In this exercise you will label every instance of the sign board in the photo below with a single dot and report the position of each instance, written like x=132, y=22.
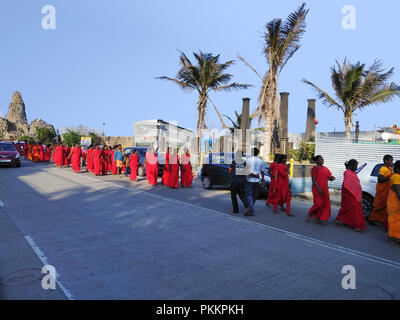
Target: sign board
x=86, y=141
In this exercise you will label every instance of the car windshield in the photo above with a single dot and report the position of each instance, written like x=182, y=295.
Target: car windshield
x=375, y=172
x=7, y=147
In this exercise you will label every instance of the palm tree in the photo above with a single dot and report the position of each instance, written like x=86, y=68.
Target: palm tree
x=206, y=76
x=236, y=125
x=281, y=41
x=356, y=87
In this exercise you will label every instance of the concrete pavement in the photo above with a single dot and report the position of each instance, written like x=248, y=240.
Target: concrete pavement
x=113, y=239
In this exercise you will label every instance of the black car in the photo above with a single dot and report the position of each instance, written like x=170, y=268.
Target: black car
x=215, y=171
x=9, y=155
x=142, y=155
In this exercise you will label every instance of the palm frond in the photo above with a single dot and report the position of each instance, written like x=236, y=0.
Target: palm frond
x=325, y=97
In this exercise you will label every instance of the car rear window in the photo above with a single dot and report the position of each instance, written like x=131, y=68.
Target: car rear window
x=375, y=171
x=7, y=147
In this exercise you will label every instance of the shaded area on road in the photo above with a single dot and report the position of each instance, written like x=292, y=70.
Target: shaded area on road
x=110, y=243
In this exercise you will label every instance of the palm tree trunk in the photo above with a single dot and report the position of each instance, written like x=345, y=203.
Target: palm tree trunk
x=268, y=136
x=348, y=122
x=201, y=107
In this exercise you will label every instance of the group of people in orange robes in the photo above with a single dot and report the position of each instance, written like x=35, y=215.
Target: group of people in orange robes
x=386, y=204
x=175, y=167
x=37, y=152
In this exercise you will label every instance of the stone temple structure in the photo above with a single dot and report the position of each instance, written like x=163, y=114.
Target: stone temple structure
x=15, y=124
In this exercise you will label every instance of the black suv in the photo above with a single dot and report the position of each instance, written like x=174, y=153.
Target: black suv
x=215, y=171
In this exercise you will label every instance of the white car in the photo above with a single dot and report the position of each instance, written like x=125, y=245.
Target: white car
x=368, y=175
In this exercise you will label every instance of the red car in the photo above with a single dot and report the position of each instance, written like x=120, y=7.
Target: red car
x=9, y=156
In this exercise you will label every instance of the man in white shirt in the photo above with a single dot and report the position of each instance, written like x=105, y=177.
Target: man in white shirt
x=256, y=167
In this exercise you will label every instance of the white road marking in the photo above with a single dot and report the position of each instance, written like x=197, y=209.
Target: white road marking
x=1, y=204
x=328, y=245
x=45, y=262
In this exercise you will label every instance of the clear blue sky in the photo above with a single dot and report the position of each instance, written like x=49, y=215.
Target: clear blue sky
x=100, y=63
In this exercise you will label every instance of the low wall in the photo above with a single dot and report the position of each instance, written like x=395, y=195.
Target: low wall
x=112, y=141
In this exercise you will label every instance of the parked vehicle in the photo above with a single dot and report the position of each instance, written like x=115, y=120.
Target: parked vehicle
x=215, y=171
x=368, y=175
x=142, y=154
x=9, y=155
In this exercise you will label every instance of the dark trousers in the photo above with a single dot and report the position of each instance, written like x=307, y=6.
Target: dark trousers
x=251, y=190
x=237, y=189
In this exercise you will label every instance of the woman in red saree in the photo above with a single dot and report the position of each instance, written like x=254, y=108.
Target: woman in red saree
x=25, y=150
x=165, y=180
x=134, y=164
x=113, y=163
x=151, y=166
x=89, y=158
x=273, y=172
x=282, y=187
x=97, y=159
x=47, y=153
x=76, y=154
x=174, y=174
x=320, y=175
x=350, y=212
x=104, y=165
x=67, y=151
x=41, y=152
x=186, y=170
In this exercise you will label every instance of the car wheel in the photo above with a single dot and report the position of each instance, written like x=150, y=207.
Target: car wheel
x=367, y=204
x=207, y=183
x=141, y=172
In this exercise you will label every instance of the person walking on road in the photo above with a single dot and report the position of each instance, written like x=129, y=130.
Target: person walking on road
x=186, y=170
x=351, y=213
x=393, y=206
x=134, y=164
x=119, y=160
x=174, y=174
x=151, y=166
x=256, y=169
x=75, y=155
x=165, y=179
x=282, y=186
x=379, y=213
x=273, y=172
x=320, y=175
x=237, y=181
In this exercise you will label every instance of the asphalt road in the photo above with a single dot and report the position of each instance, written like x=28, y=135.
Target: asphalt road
x=110, y=238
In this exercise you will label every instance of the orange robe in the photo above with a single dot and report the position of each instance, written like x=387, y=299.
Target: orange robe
x=36, y=153
x=322, y=203
x=393, y=209
x=351, y=213
x=379, y=212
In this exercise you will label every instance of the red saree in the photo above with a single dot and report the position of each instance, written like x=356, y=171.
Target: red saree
x=322, y=203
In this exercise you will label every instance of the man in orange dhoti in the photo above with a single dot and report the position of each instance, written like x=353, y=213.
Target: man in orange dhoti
x=393, y=206
x=379, y=213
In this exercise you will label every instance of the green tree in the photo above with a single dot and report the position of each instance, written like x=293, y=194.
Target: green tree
x=281, y=42
x=206, y=76
x=25, y=138
x=45, y=135
x=357, y=87
x=95, y=138
x=71, y=138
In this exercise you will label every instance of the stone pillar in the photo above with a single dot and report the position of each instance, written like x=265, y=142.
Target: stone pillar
x=283, y=128
x=245, y=123
x=357, y=130
x=310, y=123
